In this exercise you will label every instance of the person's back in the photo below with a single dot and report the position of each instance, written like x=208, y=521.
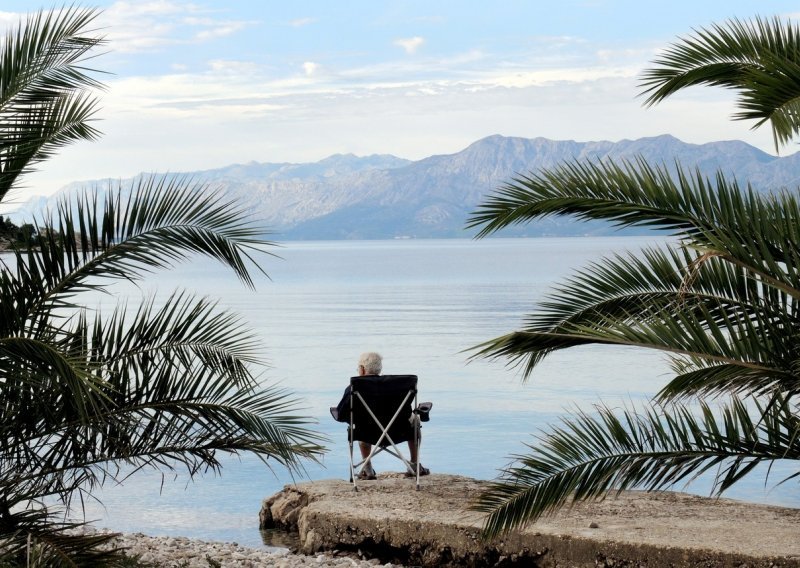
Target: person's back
x=384, y=395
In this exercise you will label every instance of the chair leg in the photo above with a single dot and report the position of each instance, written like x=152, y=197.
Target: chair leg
x=417, y=437
x=352, y=468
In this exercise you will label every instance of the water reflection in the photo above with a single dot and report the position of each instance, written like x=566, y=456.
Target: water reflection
x=279, y=540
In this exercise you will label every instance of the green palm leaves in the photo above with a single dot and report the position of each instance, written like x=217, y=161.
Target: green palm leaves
x=722, y=305
x=87, y=395
x=759, y=59
x=720, y=301
x=45, y=99
x=588, y=456
x=737, y=265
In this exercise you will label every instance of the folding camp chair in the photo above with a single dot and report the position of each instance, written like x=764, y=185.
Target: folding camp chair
x=382, y=415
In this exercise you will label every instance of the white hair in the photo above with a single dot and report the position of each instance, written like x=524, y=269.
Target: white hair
x=372, y=363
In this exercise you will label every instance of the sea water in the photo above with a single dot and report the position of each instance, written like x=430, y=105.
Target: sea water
x=424, y=305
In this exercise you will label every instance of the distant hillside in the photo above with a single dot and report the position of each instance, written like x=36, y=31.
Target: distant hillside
x=380, y=196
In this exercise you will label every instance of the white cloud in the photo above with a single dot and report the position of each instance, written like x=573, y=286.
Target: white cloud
x=153, y=8
x=637, y=55
x=545, y=77
x=220, y=29
x=146, y=26
x=233, y=67
x=410, y=45
x=303, y=108
x=300, y=22
x=185, y=122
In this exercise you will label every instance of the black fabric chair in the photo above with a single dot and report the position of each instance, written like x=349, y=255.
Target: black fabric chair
x=382, y=411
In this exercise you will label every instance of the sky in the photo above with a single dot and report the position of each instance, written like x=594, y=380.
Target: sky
x=204, y=84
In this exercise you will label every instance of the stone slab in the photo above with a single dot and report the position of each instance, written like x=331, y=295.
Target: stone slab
x=389, y=520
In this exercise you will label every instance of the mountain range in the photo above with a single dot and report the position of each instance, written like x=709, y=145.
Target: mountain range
x=383, y=196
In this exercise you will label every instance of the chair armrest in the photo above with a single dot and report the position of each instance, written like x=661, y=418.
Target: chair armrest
x=423, y=410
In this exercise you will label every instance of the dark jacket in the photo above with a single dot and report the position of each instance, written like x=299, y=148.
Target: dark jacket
x=343, y=408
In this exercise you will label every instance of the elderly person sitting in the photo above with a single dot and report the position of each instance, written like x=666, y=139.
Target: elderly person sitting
x=371, y=364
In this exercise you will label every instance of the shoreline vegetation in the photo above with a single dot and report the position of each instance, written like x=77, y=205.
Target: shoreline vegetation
x=13, y=235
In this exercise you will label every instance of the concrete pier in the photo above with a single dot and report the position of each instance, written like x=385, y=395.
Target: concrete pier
x=387, y=519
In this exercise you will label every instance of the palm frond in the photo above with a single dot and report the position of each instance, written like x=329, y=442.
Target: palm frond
x=759, y=59
x=709, y=315
x=588, y=456
x=184, y=331
x=723, y=305
x=87, y=397
x=165, y=432
x=159, y=224
x=712, y=216
x=44, y=98
x=31, y=366
x=35, y=537
x=178, y=390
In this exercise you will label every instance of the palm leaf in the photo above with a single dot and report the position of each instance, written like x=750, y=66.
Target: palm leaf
x=86, y=396
x=158, y=225
x=723, y=305
x=36, y=538
x=758, y=59
x=178, y=389
x=715, y=217
x=709, y=317
x=588, y=456
x=43, y=100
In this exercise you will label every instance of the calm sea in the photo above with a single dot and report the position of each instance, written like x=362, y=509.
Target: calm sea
x=422, y=304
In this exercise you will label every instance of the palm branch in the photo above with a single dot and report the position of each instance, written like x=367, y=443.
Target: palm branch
x=42, y=540
x=169, y=383
x=44, y=98
x=717, y=216
x=588, y=456
x=720, y=300
x=86, y=395
x=759, y=59
x=722, y=336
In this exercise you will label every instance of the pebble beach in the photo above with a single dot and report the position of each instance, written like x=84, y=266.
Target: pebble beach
x=181, y=552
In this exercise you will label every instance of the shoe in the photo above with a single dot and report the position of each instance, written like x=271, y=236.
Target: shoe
x=413, y=471
x=367, y=473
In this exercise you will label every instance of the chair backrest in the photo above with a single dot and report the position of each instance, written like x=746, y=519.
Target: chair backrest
x=384, y=395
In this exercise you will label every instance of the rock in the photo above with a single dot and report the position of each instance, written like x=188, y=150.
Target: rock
x=282, y=510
